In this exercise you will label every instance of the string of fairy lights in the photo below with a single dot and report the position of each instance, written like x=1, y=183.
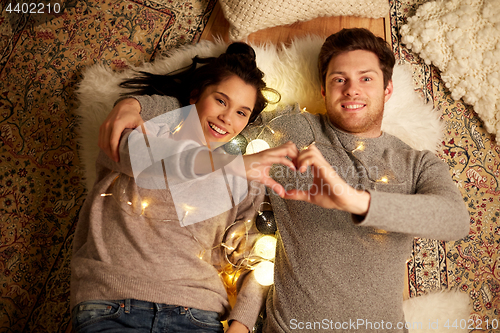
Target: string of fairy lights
x=260, y=257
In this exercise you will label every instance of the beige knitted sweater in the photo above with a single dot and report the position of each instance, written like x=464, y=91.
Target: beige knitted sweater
x=119, y=253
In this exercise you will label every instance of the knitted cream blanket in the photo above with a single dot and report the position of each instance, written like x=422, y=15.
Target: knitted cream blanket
x=462, y=39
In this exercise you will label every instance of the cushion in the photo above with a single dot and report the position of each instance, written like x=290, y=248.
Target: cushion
x=247, y=16
x=462, y=39
x=291, y=70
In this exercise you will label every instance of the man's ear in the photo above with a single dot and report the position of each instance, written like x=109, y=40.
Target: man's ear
x=388, y=91
x=323, y=92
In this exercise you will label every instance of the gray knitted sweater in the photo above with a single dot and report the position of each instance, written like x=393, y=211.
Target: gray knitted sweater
x=123, y=250
x=335, y=271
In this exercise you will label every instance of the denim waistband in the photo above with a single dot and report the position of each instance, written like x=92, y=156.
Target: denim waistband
x=129, y=303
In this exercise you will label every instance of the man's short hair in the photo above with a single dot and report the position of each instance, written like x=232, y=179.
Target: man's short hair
x=356, y=39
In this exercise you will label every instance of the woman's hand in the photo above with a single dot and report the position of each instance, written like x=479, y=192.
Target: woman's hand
x=258, y=165
x=237, y=327
x=328, y=190
x=125, y=114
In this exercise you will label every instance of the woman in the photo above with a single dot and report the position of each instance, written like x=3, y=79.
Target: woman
x=136, y=265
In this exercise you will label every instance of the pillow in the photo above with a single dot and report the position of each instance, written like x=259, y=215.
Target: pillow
x=247, y=16
x=291, y=70
x=462, y=39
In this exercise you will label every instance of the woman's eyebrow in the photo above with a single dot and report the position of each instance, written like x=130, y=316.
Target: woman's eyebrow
x=229, y=99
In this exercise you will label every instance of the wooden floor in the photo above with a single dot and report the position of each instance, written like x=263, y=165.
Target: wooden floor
x=218, y=27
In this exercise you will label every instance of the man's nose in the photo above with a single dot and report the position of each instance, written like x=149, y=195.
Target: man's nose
x=351, y=88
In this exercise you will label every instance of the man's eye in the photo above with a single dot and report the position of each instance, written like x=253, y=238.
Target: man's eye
x=338, y=80
x=367, y=79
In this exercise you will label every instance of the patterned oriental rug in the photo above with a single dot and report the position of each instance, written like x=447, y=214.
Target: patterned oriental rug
x=41, y=187
x=472, y=264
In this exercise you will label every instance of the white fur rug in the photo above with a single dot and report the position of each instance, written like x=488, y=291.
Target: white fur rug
x=462, y=39
x=293, y=73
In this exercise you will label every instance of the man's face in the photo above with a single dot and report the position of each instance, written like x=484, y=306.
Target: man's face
x=354, y=93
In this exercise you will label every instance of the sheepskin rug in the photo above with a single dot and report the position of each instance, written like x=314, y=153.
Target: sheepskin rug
x=462, y=39
x=293, y=72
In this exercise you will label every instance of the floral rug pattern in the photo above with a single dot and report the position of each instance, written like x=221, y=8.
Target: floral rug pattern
x=41, y=188
x=471, y=264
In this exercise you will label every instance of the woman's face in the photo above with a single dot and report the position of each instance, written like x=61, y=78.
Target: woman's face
x=225, y=108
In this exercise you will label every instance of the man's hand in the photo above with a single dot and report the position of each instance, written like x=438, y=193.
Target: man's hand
x=329, y=190
x=125, y=114
x=258, y=165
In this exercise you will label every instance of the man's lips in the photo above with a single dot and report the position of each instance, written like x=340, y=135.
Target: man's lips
x=353, y=106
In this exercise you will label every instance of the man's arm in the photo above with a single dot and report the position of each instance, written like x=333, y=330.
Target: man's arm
x=435, y=211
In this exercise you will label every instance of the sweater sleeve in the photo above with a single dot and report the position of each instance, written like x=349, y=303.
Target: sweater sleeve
x=436, y=210
x=153, y=105
x=251, y=295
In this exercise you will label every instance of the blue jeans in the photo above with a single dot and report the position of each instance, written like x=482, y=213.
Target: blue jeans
x=139, y=316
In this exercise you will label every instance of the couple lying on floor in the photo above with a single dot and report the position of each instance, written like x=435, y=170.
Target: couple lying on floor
x=148, y=245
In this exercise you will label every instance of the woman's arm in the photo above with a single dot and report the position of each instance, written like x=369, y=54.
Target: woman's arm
x=131, y=113
x=125, y=114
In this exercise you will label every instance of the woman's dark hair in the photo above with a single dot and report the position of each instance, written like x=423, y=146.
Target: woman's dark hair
x=356, y=39
x=191, y=81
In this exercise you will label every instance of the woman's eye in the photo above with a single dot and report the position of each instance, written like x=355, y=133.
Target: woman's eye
x=221, y=102
x=242, y=113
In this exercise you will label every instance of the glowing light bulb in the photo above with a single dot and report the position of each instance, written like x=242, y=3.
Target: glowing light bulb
x=272, y=131
x=384, y=179
x=264, y=273
x=265, y=247
x=256, y=146
x=129, y=203
x=230, y=248
x=144, y=204
x=106, y=194
x=360, y=147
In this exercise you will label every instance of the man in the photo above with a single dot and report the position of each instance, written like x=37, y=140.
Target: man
x=358, y=199
x=342, y=247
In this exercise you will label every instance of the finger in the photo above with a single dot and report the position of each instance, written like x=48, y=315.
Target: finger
x=113, y=142
x=311, y=157
x=104, y=138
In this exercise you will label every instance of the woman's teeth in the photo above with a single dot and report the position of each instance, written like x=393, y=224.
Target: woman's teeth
x=217, y=129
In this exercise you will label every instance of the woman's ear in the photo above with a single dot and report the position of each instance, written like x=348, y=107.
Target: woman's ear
x=193, y=97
